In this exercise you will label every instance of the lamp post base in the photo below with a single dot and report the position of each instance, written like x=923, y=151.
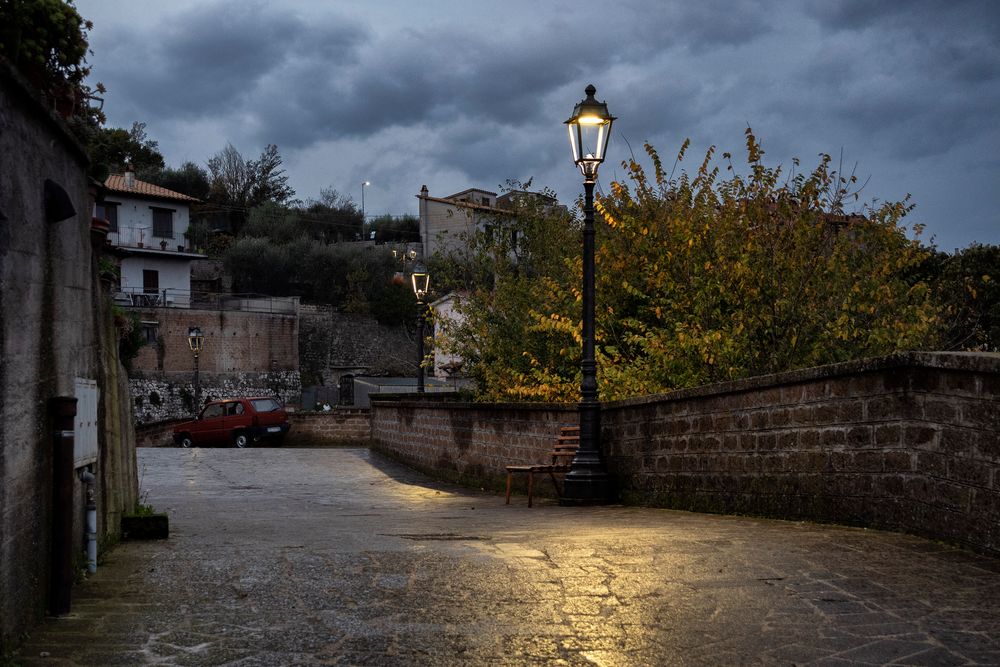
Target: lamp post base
x=587, y=488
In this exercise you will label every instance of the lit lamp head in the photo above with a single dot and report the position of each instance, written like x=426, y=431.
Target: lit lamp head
x=196, y=340
x=589, y=131
x=421, y=282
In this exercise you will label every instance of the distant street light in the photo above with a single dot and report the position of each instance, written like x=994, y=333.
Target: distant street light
x=587, y=482
x=196, y=341
x=364, y=184
x=421, y=284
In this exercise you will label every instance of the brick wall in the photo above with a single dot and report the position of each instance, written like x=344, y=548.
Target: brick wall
x=469, y=442
x=235, y=341
x=339, y=426
x=909, y=442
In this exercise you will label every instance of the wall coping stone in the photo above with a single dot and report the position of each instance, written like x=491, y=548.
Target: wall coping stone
x=450, y=401
x=980, y=362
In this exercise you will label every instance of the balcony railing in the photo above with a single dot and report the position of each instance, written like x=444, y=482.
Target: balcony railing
x=137, y=297
x=143, y=237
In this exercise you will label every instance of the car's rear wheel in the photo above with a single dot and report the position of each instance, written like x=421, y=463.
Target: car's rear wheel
x=186, y=441
x=241, y=440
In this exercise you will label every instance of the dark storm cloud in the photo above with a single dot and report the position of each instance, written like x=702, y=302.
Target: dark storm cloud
x=211, y=60
x=418, y=77
x=469, y=93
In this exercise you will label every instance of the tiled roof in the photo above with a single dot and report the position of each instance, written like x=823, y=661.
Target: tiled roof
x=116, y=183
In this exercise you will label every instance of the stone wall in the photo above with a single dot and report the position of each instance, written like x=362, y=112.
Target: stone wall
x=470, y=442
x=56, y=327
x=157, y=434
x=172, y=397
x=340, y=426
x=909, y=442
x=332, y=344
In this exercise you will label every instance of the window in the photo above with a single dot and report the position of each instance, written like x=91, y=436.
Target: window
x=149, y=332
x=108, y=211
x=233, y=409
x=213, y=410
x=486, y=201
x=265, y=404
x=163, y=223
x=150, y=281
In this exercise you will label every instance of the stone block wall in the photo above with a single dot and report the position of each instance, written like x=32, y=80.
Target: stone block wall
x=909, y=442
x=158, y=398
x=469, y=442
x=339, y=426
x=333, y=344
x=156, y=434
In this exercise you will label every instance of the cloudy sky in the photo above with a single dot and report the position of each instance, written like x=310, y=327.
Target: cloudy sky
x=458, y=94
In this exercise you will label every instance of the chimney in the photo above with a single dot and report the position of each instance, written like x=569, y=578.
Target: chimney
x=129, y=176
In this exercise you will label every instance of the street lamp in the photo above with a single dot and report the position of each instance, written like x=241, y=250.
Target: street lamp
x=364, y=184
x=196, y=341
x=587, y=482
x=421, y=284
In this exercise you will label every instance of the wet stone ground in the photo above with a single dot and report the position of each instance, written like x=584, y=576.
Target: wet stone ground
x=330, y=557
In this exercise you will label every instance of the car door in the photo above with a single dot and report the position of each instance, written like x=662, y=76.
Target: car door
x=210, y=429
x=236, y=418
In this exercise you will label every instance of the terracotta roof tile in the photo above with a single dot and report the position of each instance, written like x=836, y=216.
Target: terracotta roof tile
x=116, y=183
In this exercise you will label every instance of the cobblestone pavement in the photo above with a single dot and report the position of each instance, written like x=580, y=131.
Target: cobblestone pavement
x=328, y=557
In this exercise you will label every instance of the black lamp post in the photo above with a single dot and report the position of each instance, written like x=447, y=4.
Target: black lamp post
x=421, y=283
x=587, y=482
x=196, y=341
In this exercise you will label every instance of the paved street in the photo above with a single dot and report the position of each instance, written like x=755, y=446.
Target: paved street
x=336, y=556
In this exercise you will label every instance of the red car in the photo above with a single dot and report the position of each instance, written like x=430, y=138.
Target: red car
x=239, y=422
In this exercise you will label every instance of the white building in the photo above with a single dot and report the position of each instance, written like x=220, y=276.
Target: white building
x=447, y=223
x=147, y=225
x=447, y=364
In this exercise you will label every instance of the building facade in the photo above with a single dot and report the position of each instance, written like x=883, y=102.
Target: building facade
x=148, y=226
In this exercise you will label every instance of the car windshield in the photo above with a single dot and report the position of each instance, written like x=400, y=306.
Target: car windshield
x=265, y=405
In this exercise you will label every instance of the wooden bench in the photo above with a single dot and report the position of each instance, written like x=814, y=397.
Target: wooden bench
x=562, y=456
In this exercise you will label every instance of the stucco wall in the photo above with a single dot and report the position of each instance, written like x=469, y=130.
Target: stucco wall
x=55, y=326
x=175, y=275
x=135, y=221
x=909, y=442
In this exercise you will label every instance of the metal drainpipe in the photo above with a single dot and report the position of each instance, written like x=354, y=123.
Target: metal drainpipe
x=90, y=480
x=62, y=410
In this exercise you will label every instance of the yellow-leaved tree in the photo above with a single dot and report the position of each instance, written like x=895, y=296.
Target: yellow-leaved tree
x=699, y=280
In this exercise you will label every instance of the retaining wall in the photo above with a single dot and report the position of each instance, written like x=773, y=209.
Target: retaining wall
x=58, y=339
x=909, y=442
x=340, y=426
x=469, y=442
